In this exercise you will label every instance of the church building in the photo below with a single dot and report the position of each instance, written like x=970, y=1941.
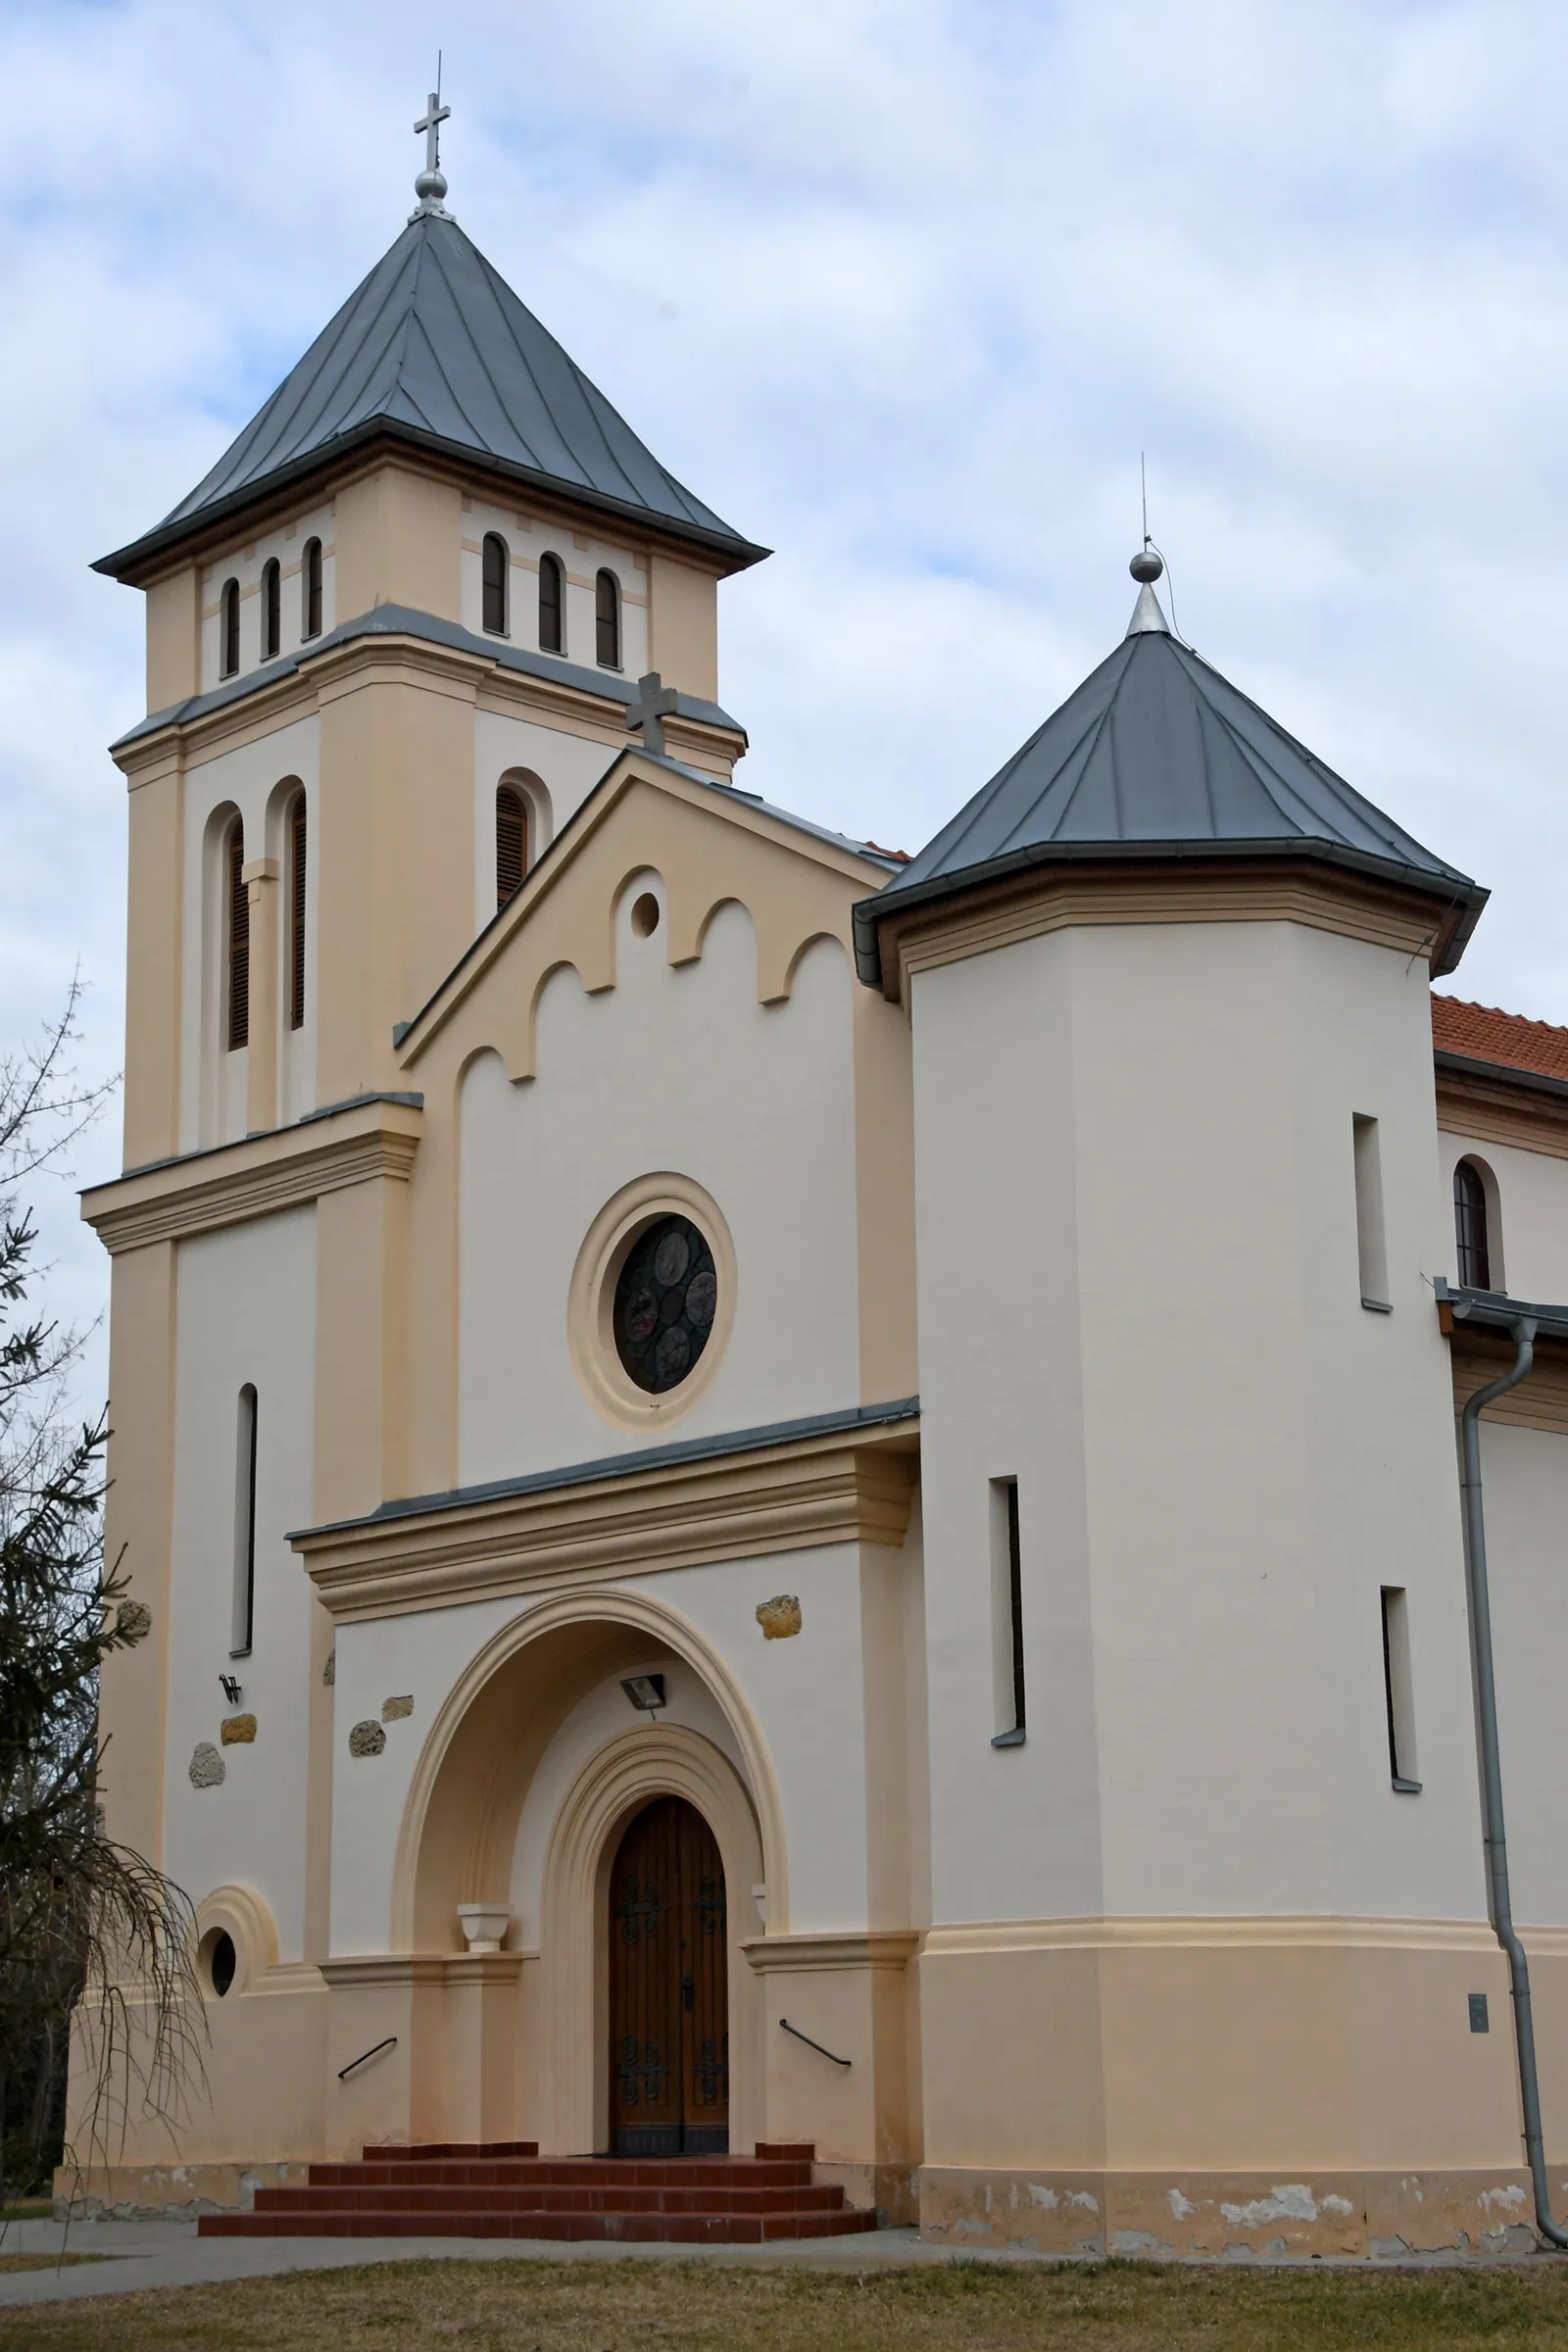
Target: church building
x=812, y=1558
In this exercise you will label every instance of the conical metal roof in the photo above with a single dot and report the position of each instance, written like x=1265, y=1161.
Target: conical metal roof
x=1157, y=756
x=434, y=347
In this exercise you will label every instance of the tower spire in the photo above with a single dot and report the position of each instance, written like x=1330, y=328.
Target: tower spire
x=430, y=187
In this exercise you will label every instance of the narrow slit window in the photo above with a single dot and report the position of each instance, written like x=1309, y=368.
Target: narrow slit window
x=311, y=589
x=244, y=1526
x=296, y=912
x=1470, y=1233
x=272, y=609
x=229, y=629
x=512, y=841
x=1007, y=1613
x=1396, y=1693
x=607, y=619
x=238, y=926
x=495, y=562
x=1371, y=1248
x=551, y=606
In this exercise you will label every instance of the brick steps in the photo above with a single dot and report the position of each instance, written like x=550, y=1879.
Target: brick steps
x=506, y=2191
x=471, y=2197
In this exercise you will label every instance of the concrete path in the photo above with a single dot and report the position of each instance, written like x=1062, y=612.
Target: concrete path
x=168, y=2253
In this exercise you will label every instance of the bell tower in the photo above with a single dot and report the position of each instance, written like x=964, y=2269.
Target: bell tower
x=436, y=561
x=395, y=636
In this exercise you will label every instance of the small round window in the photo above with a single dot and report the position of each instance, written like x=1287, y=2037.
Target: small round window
x=221, y=1962
x=665, y=1303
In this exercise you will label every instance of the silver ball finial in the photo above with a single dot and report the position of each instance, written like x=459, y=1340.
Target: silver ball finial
x=1147, y=567
x=430, y=187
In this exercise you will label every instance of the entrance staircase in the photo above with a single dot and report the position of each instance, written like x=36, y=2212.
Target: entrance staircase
x=507, y=2189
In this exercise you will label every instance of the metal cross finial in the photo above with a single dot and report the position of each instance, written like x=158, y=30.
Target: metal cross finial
x=431, y=186
x=655, y=702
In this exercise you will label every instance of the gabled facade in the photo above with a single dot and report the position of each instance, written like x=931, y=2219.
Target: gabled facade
x=919, y=1384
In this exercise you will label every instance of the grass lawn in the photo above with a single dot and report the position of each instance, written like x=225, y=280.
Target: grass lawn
x=647, y=2306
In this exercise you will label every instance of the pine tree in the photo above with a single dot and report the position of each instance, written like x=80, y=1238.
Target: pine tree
x=94, y=1939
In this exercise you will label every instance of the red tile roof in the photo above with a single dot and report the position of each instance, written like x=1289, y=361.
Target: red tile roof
x=1483, y=1033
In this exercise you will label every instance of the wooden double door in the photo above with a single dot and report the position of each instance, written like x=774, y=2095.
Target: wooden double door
x=668, y=1988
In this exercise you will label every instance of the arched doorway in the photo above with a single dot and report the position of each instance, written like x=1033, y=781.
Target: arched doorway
x=668, y=1986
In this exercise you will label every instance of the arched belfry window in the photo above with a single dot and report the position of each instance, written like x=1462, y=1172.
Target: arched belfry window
x=551, y=605
x=1471, y=1227
x=296, y=912
x=495, y=583
x=607, y=619
x=237, y=928
x=272, y=609
x=229, y=629
x=311, y=589
x=512, y=841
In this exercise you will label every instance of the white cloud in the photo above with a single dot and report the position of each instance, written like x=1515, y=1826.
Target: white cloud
x=901, y=289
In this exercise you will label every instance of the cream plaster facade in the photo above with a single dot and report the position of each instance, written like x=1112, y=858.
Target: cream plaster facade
x=1070, y=1201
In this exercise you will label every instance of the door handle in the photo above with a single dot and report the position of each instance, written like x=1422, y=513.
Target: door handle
x=688, y=1990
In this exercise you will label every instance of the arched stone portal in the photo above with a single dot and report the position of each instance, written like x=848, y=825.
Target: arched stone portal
x=543, y=2071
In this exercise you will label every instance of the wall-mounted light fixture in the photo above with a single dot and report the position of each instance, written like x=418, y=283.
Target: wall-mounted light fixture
x=231, y=1689
x=645, y=1690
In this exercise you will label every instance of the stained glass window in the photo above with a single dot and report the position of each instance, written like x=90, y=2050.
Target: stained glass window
x=665, y=1303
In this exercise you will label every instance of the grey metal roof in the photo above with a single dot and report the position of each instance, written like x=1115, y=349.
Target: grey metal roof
x=436, y=348
x=406, y=620
x=1157, y=756
x=632, y=1464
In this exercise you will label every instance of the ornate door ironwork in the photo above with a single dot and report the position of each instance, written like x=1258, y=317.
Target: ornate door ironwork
x=668, y=1988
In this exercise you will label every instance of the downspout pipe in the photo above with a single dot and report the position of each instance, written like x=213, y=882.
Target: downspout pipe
x=1498, y=1902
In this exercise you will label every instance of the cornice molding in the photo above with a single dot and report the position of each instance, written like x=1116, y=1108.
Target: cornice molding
x=1144, y=1932
x=325, y=674
x=235, y=1181
x=810, y=1955
x=1489, y=1108
x=1045, y=899
x=848, y=1486
x=1539, y=1402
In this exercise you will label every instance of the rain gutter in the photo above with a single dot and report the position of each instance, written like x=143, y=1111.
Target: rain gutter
x=1487, y=1310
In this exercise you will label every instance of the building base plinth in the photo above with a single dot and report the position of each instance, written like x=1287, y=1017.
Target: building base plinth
x=1216, y=2215
x=131, y=2192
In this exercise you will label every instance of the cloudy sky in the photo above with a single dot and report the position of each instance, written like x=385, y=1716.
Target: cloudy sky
x=901, y=288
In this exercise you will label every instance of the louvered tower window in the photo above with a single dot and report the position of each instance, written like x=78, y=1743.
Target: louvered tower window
x=311, y=589
x=550, y=640
x=1470, y=1227
x=239, y=939
x=607, y=619
x=229, y=629
x=495, y=584
x=272, y=609
x=512, y=841
x=296, y=912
